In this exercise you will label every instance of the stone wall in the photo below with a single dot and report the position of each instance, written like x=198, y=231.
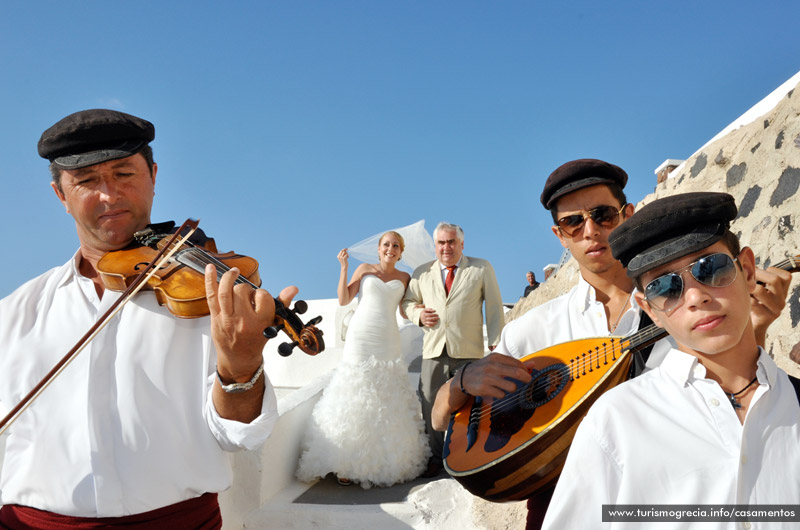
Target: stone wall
x=759, y=164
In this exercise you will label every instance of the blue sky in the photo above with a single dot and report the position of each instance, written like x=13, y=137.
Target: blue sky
x=293, y=129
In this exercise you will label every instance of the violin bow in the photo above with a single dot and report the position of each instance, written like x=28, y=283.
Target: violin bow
x=164, y=255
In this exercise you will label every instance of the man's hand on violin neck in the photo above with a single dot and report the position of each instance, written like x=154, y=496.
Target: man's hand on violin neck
x=239, y=315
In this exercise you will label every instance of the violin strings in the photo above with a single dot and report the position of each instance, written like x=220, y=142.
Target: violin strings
x=204, y=257
x=786, y=264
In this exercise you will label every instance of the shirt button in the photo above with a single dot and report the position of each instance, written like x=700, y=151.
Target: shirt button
x=744, y=459
x=715, y=402
x=746, y=525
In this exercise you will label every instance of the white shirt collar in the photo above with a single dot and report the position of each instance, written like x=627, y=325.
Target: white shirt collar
x=683, y=367
x=442, y=266
x=588, y=295
x=69, y=271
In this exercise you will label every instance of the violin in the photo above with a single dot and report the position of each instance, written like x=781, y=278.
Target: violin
x=174, y=267
x=179, y=283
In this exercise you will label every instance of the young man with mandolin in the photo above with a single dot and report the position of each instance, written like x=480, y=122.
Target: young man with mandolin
x=136, y=430
x=717, y=422
x=587, y=202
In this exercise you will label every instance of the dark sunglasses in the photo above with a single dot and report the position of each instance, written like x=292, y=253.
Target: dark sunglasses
x=605, y=216
x=665, y=292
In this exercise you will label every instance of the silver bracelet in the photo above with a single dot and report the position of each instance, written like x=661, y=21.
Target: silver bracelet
x=238, y=388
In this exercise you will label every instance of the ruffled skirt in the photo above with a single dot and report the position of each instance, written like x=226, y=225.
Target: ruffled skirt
x=367, y=426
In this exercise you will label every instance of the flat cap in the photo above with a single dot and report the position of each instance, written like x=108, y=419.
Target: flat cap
x=579, y=174
x=92, y=136
x=670, y=228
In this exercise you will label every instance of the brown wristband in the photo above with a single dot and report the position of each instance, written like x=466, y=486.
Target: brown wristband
x=461, y=378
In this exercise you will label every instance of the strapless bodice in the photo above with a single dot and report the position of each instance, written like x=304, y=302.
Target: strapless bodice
x=373, y=329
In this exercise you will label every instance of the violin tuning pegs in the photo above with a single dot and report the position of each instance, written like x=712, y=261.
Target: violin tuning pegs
x=285, y=349
x=300, y=307
x=272, y=331
x=314, y=321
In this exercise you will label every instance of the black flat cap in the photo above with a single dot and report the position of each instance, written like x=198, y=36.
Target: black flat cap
x=92, y=136
x=579, y=174
x=670, y=228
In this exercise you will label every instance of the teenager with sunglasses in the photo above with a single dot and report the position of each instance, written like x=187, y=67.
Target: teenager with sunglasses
x=587, y=202
x=717, y=423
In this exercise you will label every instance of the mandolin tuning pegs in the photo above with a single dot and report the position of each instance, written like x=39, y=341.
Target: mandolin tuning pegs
x=285, y=349
x=300, y=307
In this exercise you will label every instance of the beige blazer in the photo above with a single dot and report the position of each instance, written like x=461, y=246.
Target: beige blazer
x=460, y=323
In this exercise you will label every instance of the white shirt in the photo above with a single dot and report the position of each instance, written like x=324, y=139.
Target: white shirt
x=444, y=270
x=129, y=426
x=670, y=436
x=574, y=315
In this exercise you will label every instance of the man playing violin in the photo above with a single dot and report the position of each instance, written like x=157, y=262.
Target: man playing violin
x=586, y=200
x=136, y=430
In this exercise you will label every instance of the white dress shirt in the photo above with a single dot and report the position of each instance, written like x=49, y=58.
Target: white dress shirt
x=574, y=315
x=129, y=426
x=671, y=436
x=444, y=270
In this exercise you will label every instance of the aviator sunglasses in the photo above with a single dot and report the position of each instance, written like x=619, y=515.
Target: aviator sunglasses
x=605, y=216
x=665, y=292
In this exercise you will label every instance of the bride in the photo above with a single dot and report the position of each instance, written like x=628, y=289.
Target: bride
x=367, y=426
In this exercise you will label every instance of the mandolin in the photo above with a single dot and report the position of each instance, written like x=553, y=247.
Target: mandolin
x=507, y=449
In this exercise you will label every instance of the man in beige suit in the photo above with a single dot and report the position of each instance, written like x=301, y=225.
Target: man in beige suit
x=446, y=298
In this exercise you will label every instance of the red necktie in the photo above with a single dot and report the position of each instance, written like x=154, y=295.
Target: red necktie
x=448, y=281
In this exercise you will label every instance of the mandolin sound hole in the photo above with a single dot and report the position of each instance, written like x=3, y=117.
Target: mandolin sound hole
x=510, y=414
x=545, y=385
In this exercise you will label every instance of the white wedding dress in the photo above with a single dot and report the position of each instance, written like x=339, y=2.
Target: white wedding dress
x=367, y=426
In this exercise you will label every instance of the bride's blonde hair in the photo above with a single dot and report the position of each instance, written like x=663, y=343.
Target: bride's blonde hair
x=398, y=236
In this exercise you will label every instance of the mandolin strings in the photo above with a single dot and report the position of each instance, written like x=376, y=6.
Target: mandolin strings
x=617, y=349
